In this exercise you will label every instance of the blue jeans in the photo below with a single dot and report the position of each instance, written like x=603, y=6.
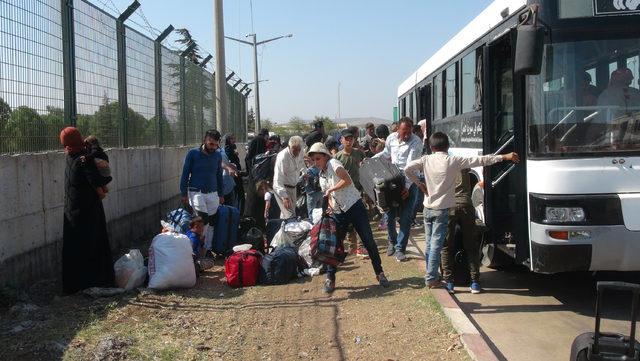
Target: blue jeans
x=435, y=232
x=314, y=200
x=400, y=239
x=357, y=215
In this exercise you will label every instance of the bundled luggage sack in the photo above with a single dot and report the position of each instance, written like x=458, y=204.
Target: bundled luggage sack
x=263, y=165
x=171, y=262
x=243, y=268
x=179, y=219
x=383, y=182
x=280, y=266
x=225, y=231
x=601, y=346
x=292, y=232
x=326, y=246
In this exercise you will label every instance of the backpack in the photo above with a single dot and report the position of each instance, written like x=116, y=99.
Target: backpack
x=242, y=268
x=280, y=266
x=326, y=246
x=263, y=165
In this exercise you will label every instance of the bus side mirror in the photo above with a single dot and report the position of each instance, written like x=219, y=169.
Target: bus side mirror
x=529, y=50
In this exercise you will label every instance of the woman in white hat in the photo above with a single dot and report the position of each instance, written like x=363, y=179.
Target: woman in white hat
x=347, y=206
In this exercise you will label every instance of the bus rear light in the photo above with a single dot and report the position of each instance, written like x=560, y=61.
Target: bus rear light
x=563, y=235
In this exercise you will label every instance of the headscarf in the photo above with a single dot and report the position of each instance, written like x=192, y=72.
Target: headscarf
x=71, y=139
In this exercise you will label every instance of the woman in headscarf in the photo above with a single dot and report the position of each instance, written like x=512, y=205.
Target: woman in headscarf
x=86, y=254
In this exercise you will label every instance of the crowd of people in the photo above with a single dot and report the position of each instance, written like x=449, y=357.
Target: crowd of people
x=322, y=166
x=303, y=174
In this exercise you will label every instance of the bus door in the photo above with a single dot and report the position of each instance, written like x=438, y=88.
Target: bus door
x=505, y=188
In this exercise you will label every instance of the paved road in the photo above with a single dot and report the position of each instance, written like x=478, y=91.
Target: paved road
x=526, y=316
x=529, y=316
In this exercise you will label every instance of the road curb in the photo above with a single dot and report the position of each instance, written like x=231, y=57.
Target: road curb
x=470, y=336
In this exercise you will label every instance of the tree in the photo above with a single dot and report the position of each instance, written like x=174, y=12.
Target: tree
x=5, y=113
x=297, y=126
x=267, y=123
x=25, y=131
x=251, y=121
x=54, y=120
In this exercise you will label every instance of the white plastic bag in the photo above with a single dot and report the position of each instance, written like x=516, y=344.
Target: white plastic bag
x=304, y=251
x=130, y=270
x=291, y=233
x=171, y=262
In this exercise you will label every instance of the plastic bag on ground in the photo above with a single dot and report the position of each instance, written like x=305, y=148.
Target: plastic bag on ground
x=305, y=251
x=171, y=262
x=130, y=270
x=291, y=233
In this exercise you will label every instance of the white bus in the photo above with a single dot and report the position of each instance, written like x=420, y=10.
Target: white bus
x=557, y=82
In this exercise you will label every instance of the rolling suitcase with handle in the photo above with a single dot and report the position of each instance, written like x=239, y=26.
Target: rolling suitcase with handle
x=383, y=182
x=225, y=232
x=601, y=346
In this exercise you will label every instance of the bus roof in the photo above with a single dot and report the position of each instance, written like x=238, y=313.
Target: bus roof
x=483, y=23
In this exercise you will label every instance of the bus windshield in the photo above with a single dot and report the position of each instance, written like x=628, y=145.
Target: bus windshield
x=586, y=99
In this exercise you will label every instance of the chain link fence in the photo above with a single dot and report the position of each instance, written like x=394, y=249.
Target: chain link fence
x=46, y=84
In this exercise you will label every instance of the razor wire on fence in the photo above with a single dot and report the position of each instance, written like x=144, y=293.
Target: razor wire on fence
x=46, y=84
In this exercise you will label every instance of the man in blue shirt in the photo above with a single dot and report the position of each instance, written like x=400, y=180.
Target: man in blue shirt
x=201, y=182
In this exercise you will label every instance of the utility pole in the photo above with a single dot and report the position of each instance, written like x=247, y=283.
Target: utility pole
x=339, y=115
x=255, y=43
x=221, y=79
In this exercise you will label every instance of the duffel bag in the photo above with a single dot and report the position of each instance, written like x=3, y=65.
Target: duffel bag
x=242, y=268
x=179, y=219
x=280, y=266
x=326, y=246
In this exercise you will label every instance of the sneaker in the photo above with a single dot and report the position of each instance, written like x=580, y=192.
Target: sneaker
x=475, y=288
x=362, y=253
x=391, y=249
x=382, y=279
x=450, y=287
x=435, y=284
x=400, y=257
x=416, y=224
x=329, y=286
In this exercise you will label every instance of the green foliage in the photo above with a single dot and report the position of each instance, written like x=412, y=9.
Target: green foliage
x=5, y=113
x=25, y=131
x=297, y=126
x=251, y=122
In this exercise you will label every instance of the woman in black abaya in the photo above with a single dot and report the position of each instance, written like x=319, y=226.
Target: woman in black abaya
x=86, y=254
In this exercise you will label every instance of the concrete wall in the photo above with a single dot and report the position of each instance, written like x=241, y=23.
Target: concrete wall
x=145, y=187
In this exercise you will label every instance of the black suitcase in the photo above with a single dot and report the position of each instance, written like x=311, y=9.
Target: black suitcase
x=383, y=182
x=597, y=346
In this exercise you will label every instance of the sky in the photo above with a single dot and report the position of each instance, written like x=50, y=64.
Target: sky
x=367, y=46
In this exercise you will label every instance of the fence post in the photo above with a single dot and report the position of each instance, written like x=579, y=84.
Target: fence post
x=121, y=40
x=183, y=99
x=69, y=62
x=157, y=47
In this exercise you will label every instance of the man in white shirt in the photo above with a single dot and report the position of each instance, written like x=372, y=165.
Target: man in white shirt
x=289, y=165
x=401, y=148
x=440, y=172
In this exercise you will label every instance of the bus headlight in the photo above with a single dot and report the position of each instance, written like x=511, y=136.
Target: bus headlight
x=564, y=214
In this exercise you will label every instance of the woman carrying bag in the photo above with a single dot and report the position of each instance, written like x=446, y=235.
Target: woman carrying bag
x=347, y=207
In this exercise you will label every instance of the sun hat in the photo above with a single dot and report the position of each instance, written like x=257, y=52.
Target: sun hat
x=318, y=148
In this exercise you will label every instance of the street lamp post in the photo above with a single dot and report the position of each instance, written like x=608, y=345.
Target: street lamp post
x=255, y=44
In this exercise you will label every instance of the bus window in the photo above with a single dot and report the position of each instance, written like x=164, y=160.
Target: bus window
x=634, y=66
x=468, y=83
x=437, y=97
x=424, y=102
x=403, y=107
x=451, y=91
x=612, y=67
x=411, y=104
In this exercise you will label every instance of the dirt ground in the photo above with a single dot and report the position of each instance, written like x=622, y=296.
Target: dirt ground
x=360, y=321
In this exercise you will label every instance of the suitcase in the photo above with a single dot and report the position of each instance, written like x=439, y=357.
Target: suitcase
x=225, y=232
x=383, y=182
x=597, y=346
